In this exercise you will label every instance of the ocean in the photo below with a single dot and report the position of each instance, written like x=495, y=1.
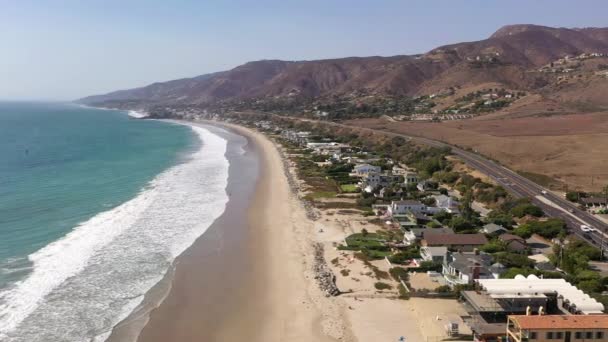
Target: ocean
x=94, y=208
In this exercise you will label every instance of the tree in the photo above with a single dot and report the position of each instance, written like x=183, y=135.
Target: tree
x=446, y=177
x=524, y=209
x=465, y=206
x=364, y=232
x=493, y=246
x=501, y=218
x=549, y=229
x=590, y=286
x=460, y=224
x=443, y=216
x=524, y=231
x=514, y=260
x=573, y=196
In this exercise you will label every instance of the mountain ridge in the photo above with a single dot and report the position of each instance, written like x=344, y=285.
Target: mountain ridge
x=506, y=58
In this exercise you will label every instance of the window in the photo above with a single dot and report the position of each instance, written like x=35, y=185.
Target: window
x=549, y=335
x=589, y=334
x=532, y=335
x=578, y=335
x=559, y=335
x=599, y=335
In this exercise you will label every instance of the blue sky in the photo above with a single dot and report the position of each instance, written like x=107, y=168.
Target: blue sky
x=68, y=49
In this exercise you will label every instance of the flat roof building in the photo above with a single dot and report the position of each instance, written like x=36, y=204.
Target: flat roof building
x=571, y=298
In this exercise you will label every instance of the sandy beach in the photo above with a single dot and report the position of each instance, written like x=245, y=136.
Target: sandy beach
x=249, y=277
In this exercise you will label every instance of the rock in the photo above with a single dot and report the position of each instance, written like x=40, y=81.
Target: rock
x=325, y=277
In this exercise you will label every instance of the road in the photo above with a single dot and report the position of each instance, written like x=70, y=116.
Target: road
x=518, y=186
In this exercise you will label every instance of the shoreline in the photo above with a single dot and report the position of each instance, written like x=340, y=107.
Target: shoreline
x=263, y=269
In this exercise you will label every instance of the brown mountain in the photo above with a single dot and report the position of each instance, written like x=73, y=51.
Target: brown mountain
x=504, y=58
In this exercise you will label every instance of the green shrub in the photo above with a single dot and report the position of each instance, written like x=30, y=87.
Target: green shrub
x=443, y=289
x=382, y=286
x=513, y=260
x=399, y=274
x=524, y=209
x=426, y=266
x=549, y=229
x=403, y=293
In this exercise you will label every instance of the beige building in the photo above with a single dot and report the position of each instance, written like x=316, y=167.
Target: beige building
x=558, y=328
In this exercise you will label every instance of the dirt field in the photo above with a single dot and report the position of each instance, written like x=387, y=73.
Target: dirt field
x=570, y=148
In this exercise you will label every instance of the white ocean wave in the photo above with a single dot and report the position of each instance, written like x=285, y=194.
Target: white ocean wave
x=138, y=114
x=86, y=282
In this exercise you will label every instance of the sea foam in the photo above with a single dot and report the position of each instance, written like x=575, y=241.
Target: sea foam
x=86, y=282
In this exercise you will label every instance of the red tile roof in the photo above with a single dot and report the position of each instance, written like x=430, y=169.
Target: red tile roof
x=562, y=321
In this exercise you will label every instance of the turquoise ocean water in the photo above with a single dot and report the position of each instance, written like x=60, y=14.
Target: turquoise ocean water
x=62, y=164
x=94, y=208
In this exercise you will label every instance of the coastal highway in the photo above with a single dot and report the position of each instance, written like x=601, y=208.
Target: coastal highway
x=518, y=186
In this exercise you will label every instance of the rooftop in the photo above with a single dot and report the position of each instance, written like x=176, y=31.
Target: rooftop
x=532, y=285
x=482, y=302
x=435, y=250
x=492, y=228
x=407, y=202
x=455, y=239
x=561, y=321
x=593, y=200
x=421, y=231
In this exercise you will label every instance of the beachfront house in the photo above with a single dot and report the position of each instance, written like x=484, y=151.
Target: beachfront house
x=415, y=234
x=553, y=295
x=406, y=207
x=296, y=137
x=365, y=169
x=444, y=203
x=543, y=328
x=464, y=268
x=327, y=148
x=494, y=302
x=374, y=180
x=434, y=254
x=455, y=242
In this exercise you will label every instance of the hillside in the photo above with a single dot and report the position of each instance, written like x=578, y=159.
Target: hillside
x=509, y=59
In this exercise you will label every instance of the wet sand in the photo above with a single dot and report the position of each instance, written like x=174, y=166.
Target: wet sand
x=248, y=277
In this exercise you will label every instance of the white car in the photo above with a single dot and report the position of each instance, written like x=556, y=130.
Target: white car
x=585, y=228
x=544, y=192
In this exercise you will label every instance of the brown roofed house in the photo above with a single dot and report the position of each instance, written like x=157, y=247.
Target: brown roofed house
x=514, y=243
x=461, y=242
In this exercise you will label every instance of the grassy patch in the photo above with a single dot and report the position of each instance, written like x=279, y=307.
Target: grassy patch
x=337, y=205
x=320, y=194
x=543, y=180
x=369, y=240
x=349, y=188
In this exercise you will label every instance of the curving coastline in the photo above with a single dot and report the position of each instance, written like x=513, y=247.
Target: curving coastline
x=250, y=276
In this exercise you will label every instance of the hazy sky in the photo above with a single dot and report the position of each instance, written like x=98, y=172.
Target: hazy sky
x=68, y=49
